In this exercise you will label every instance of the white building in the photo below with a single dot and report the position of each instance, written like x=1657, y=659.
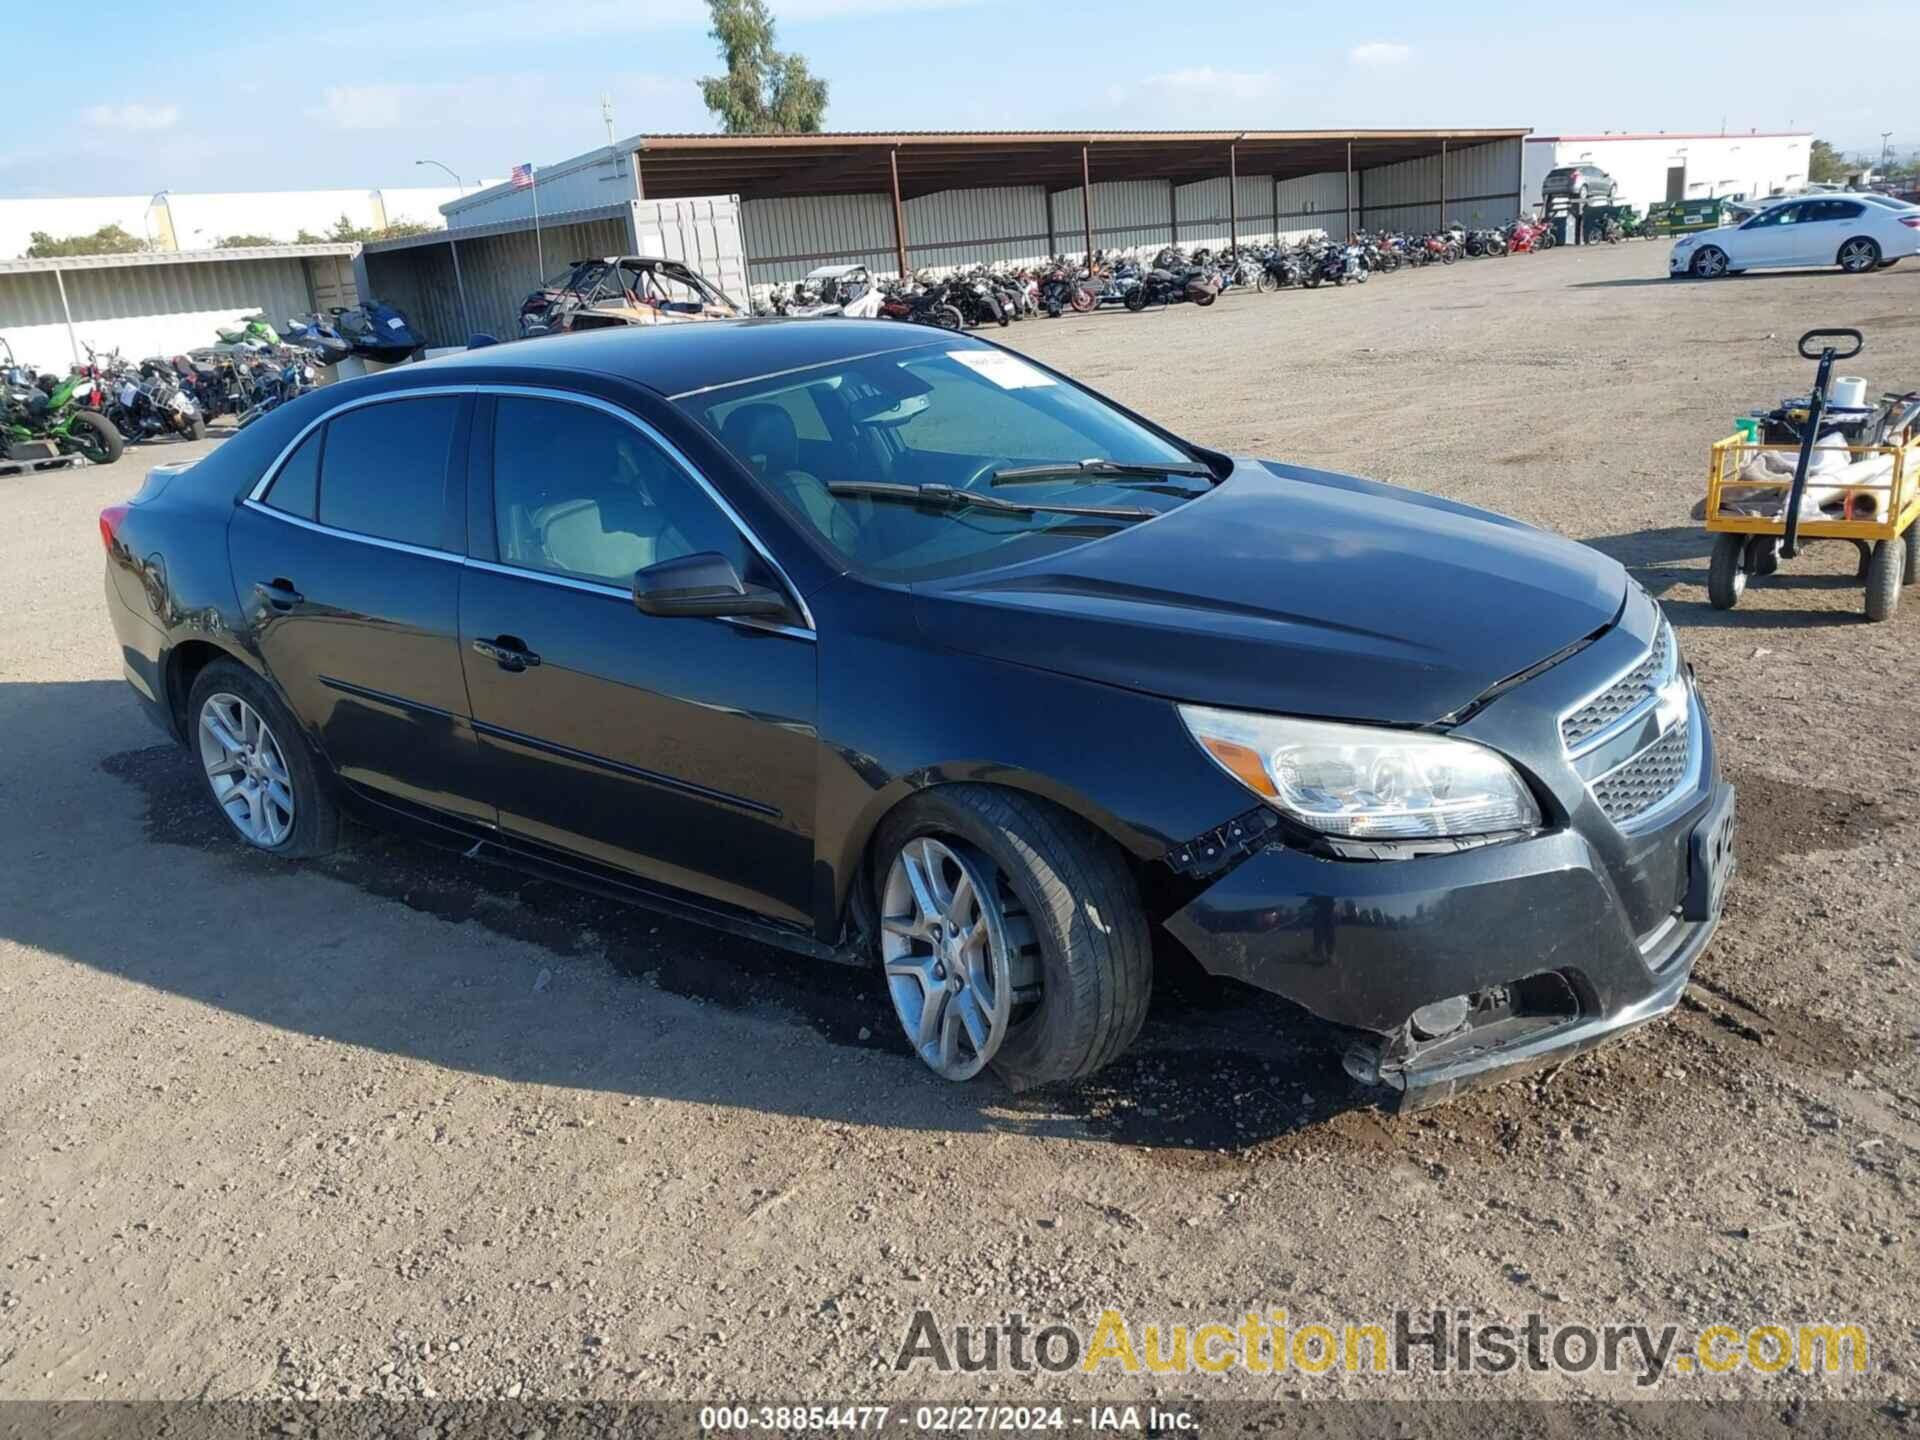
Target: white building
x=1650, y=169
x=169, y=221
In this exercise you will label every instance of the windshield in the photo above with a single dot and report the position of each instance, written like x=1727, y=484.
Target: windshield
x=941, y=416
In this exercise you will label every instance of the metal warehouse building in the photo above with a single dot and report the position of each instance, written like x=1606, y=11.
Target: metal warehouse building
x=754, y=211
x=1650, y=169
x=160, y=304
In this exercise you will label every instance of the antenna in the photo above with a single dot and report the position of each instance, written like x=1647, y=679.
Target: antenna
x=606, y=113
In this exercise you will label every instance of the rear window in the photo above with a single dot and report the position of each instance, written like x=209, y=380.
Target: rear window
x=384, y=470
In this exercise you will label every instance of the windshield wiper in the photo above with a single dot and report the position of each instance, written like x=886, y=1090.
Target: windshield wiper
x=1097, y=469
x=945, y=497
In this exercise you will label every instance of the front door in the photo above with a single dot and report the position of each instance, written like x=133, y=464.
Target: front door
x=348, y=572
x=679, y=750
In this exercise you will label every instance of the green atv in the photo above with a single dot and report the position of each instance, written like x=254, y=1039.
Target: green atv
x=42, y=425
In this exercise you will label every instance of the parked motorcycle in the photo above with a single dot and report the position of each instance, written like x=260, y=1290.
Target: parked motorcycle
x=1172, y=278
x=41, y=419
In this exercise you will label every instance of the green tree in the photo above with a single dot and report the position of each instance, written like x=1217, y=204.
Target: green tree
x=243, y=242
x=1826, y=164
x=344, y=230
x=765, y=91
x=107, y=240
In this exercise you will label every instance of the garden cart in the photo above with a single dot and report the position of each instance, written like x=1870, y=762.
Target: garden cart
x=1824, y=466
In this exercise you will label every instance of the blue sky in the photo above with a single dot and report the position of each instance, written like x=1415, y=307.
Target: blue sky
x=236, y=95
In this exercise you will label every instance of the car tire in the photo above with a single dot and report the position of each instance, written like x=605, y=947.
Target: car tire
x=1070, y=913
x=1727, y=571
x=1708, y=263
x=197, y=429
x=1884, y=571
x=223, y=690
x=1858, y=256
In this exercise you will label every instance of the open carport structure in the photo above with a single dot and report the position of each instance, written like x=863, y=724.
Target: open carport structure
x=752, y=211
x=916, y=198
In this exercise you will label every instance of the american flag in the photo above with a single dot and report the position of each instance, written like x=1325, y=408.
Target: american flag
x=522, y=176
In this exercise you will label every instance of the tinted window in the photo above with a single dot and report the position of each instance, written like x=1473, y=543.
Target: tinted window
x=1779, y=215
x=296, y=489
x=384, y=471
x=577, y=492
x=1831, y=210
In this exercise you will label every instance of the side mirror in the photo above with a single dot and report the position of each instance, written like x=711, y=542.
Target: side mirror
x=704, y=584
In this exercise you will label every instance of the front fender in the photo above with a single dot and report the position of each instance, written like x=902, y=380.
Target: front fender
x=896, y=717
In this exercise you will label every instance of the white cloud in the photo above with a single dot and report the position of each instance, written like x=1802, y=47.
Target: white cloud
x=133, y=116
x=1205, y=80
x=1380, y=52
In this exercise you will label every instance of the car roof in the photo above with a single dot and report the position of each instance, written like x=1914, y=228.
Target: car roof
x=676, y=359
x=826, y=270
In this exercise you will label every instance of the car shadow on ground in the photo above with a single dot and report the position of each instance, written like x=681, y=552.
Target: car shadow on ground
x=1219, y=1067
x=1678, y=555
x=1751, y=276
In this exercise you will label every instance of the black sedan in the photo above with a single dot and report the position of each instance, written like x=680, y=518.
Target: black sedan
x=891, y=646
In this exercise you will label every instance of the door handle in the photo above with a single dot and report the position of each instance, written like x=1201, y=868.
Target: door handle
x=509, y=652
x=278, y=593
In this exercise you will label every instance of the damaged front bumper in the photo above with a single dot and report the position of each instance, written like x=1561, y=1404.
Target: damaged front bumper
x=1458, y=970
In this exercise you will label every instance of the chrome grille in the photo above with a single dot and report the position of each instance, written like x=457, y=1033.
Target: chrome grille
x=1630, y=691
x=1647, y=779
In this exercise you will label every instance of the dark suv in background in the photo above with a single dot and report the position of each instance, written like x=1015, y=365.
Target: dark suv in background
x=1585, y=183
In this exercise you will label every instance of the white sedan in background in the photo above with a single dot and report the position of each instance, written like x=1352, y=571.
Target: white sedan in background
x=1802, y=231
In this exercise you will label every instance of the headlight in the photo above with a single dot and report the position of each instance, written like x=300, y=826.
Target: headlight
x=1365, y=783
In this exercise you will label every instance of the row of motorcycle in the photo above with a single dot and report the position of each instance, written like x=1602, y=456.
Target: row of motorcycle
x=101, y=406
x=984, y=295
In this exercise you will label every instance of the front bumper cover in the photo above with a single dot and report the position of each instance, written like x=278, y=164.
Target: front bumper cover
x=1532, y=929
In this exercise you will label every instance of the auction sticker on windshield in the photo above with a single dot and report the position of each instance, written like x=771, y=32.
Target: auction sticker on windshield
x=1009, y=372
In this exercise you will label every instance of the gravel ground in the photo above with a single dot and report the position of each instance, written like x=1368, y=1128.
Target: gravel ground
x=395, y=1125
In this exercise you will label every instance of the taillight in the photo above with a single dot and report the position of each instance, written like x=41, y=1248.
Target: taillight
x=1912, y=222
x=110, y=519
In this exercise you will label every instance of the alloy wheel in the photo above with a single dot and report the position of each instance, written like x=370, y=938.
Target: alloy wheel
x=947, y=956
x=1858, y=255
x=1710, y=264
x=246, y=769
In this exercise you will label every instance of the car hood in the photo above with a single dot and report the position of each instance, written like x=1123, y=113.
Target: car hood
x=1295, y=591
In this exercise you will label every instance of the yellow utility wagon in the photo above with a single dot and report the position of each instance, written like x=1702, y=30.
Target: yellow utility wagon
x=1771, y=491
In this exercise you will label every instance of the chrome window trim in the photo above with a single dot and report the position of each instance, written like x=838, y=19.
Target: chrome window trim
x=402, y=546
x=534, y=392
x=273, y=470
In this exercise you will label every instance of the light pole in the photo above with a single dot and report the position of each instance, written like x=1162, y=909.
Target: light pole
x=1885, y=148
x=458, y=182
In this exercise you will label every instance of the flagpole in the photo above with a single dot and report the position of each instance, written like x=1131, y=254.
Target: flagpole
x=539, y=250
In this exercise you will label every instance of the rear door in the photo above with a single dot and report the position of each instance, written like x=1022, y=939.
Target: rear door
x=347, y=564
x=681, y=751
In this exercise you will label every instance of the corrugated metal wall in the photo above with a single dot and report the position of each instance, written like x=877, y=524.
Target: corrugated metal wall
x=786, y=238
x=146, y=310
x=498, y=271
x=1310, y=203
x=703, y=233
x=1482, y=189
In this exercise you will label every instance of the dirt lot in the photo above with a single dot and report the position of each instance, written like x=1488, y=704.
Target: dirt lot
x=398, y=1125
